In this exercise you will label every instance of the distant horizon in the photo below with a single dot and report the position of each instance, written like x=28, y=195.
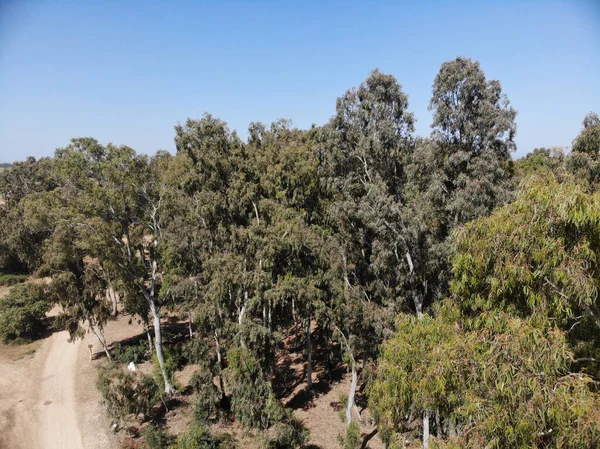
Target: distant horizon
x=127, y=73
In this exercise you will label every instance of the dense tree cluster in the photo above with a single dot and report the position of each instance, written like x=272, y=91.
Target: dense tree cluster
x=468, y=282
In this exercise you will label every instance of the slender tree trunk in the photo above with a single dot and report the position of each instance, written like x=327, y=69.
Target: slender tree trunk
x=220, y=362
x=241, y=314
x=158, y=345
x=190, y=324
x=309, y=383
x=425, y=429
x=438, y=424
x=111, y=294
x=295, y=315
x=150, y=344
x=100, y=336
x=451, y=428
x=352, y=394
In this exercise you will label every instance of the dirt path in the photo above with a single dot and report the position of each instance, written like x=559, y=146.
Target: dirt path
x=56, y=403
x=37, y=399
x=48, y=397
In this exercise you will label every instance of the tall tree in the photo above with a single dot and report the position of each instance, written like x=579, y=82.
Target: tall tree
x=120, y=197
x=366, y=144
x=588, y=140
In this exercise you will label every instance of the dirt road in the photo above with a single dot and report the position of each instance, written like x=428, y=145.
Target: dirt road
x=37, y=397
x=56, y=402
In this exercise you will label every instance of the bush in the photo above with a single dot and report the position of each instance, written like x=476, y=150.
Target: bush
x=253, y=402
x=170, y=368
x=288, y=434
x=22, y=312
x=208, y=396
x=352, y=438
x=155, y=438
x=135, y=353
x=12, y=279
x=127, y=393
x=200, y=438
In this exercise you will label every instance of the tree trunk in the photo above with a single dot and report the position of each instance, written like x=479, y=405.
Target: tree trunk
x=150, y=345
x=352, y=394
x=425, y=429
x=309, y=383
x=241, y=313
x=158, y=345
x=111, y=294
x=190, y=324
x=101, y=339
x=451, y=428
x=295, y=315
x=220, y=362
x=438, y=424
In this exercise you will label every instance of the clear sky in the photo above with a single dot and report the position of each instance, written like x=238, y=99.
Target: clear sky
x=126, y=71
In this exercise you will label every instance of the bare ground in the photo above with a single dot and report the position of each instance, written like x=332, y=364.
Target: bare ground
x=48, y=397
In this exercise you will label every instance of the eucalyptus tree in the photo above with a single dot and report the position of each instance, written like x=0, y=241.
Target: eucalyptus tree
x=588, y=140
x=20, y=246
x=119, y=196
x=365, y=148
x=536, y=257
x=499, y=382
x=474, y=125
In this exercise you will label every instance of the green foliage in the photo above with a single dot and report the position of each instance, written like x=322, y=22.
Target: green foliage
x=12, y=279
x=588, y=141
x=126, y=393
x=22, y=312
x=155, y=438
x=207, y=397
x=536, y=256
x=288, y=434
x=352, y=438
x=502, y=384
x=538, y=160
x=200, y=438
x=136, y=352
x=252, y=400
x=170, y=367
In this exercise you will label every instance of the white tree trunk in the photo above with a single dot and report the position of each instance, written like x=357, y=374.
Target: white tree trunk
x=220, y=362
x=190, y=324
x=425, y=429
x=352, y=394
x=113, y=298
x=158, y=345
x=150, y=344
x=309, y=383
x=101, y=339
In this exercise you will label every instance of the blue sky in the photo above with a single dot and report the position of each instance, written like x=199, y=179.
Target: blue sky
x=127, y=72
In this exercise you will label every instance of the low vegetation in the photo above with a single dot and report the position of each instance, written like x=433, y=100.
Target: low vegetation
x=23, y=312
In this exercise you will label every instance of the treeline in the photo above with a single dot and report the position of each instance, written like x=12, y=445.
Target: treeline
x=462, y=287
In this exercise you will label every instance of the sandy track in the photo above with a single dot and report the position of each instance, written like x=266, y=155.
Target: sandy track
x=56, y=404
x=37, y=398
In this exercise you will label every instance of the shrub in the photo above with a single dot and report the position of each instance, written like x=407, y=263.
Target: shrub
x=135, y=353
x=22, y=312
x=155, y=438
x=288, y=434
x=208, y=396
x=198, y=438
x=127, y=393
x=352, y=438
x=12, y=279
x=170, y=368
x=252, y=400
